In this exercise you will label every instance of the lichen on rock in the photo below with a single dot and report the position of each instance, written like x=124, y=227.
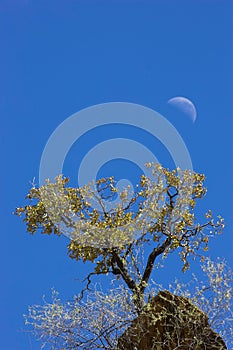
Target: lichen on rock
x=169, y=322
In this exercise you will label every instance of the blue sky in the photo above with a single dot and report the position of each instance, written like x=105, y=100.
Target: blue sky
x=59, y=57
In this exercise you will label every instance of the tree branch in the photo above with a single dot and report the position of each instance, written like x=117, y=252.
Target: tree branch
x=150, y=263
x=123, y=271
x=88, y=279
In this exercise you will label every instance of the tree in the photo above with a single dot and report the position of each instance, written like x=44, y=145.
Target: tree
x=159, y=215
x=127, y=239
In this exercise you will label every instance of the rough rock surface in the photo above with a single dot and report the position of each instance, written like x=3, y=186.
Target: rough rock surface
x=170, y=322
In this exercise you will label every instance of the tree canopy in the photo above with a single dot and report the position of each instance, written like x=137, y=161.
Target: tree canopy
x=158, y=215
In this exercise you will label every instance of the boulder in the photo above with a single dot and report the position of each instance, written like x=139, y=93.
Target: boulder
x=170, y=322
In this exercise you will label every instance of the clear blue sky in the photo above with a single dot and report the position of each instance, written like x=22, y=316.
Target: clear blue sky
x=58, y=57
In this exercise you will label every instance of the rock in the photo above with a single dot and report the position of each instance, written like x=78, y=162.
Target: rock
x=170, y=322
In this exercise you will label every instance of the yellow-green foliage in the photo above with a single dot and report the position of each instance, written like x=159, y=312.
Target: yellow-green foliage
x=160, y=213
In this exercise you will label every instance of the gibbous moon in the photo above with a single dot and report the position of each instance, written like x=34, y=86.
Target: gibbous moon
x=185, y=106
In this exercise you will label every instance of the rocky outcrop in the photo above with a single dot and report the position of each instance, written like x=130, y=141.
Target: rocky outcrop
x=170, y=322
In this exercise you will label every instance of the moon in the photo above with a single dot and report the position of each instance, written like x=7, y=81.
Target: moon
x=184, y=105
